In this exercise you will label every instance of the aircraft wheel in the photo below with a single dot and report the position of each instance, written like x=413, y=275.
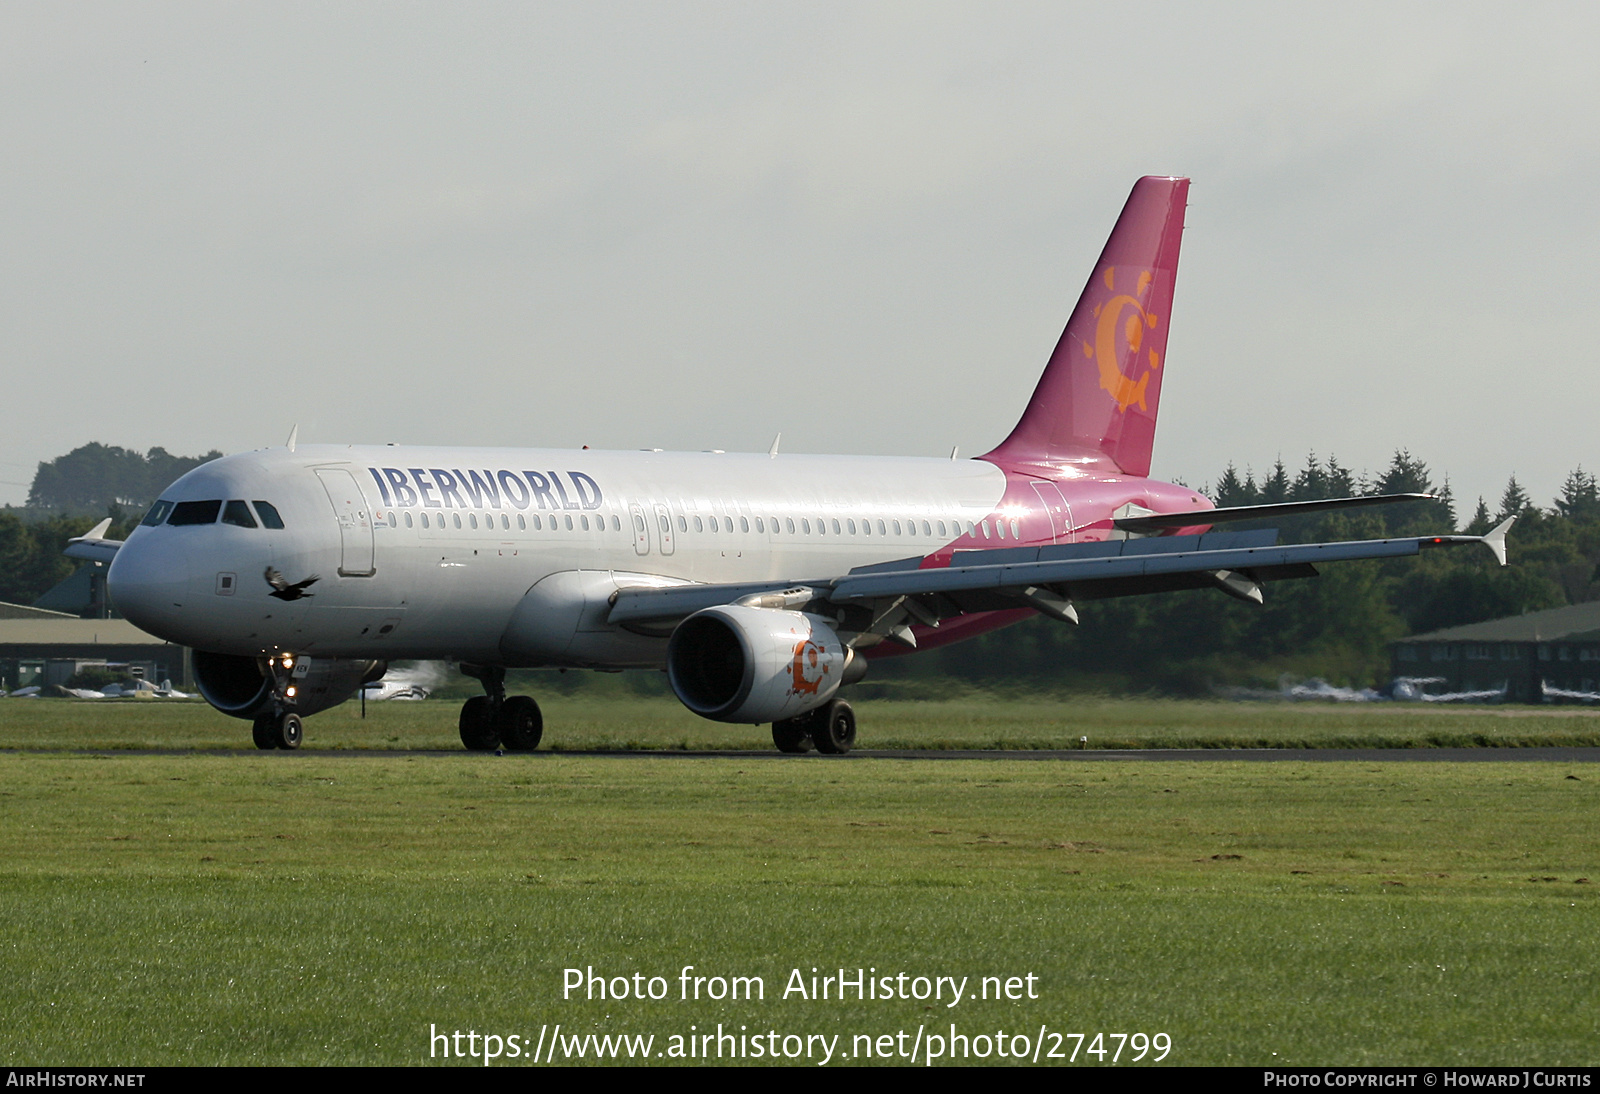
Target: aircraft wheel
x=264, y=731
x=478, y=730
x=520, y=724
x=792, y=734
x=835, y=728
x=290, y=731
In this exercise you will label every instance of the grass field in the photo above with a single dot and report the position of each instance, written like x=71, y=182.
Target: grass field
x=582, y=723
x=273, y=908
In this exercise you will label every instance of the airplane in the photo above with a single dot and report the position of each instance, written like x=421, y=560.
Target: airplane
x=763, y=584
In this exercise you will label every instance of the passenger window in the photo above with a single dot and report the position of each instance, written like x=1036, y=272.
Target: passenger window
x=394, y=521
x=569, y=524
x=585, y=521
x=896, y=527
x=269, y=516
x=425, y=520
x=789, y=524
x=683, y=525
x=158, y=513
x=616, y=523
x=522, y=523
x=744, y=523
x=805, y=526
x=852, y=526
x=538, y=525
x=999, y=528
x=473, y=517
x=699, y=525
x=985, y=529
x=457, y=517
x=759, y=526
x=238, y=513
x=408, y=520
x=927, y=531
x=941, y=526
x=1015, y=530
x=195, y=512
x=836, y=527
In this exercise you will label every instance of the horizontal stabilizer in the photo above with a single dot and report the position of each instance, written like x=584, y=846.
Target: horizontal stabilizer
x=1257, y=512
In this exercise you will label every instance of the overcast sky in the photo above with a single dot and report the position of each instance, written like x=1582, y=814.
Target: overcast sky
x=695, y=225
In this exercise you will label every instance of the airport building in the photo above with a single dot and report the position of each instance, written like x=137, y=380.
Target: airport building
x=1538, y=657
x=39, y=647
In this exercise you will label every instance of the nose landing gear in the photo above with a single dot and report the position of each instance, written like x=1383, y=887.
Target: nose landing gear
x=495, y=720
x=278, y=726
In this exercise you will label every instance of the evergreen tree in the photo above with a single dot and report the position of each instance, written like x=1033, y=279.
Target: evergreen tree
x=1514, y=502
x=1231, y=491
x=1580, y=497
x=1275, y=489
x=1481, y=520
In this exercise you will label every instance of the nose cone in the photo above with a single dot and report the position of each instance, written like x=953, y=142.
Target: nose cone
x=149, y=584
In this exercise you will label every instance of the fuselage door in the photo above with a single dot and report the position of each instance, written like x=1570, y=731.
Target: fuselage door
x=1056, y=508
x=641, y=531
x=355, y=521
x=664, y=528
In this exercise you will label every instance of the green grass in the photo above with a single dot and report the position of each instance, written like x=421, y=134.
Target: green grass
x=271, y=908
x=579, y=723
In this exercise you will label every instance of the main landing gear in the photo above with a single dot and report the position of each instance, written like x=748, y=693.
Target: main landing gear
x=496, y=720
x=277, y=729
x=830, y=729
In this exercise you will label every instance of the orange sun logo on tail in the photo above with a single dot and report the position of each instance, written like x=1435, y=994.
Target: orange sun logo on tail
x=1118, y=384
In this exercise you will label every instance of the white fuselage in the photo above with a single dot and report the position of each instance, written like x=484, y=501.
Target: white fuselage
x=428, y=552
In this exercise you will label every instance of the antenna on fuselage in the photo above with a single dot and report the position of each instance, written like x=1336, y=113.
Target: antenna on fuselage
x=773, y=451
x=294, y=435
x=956, y=451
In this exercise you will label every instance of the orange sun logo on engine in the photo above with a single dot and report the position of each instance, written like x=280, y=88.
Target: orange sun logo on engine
x=1114, y=378
x=808, y=667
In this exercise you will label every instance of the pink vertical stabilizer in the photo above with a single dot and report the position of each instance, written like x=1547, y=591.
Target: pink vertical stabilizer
x=1095, y=406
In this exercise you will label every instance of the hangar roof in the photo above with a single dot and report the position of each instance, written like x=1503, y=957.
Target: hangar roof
x=68, y=631
x=1574, y=623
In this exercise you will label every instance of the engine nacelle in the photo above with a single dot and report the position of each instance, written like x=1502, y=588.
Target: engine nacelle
x=241, y=687
x=740, y=664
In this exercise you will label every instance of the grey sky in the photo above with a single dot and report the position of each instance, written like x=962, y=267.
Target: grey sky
x=695, y=225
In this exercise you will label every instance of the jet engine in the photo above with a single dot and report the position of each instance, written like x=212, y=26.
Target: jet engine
x=741, y=664
x=242, y=686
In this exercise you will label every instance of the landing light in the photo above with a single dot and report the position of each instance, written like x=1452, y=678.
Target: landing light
x=290, y=692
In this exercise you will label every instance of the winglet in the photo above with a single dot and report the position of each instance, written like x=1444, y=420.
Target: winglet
x=294, y=435
x=92, y=546
x=1496, y=539
x=97, y=532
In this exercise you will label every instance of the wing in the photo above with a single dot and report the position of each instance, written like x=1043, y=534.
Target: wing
x=883, y=601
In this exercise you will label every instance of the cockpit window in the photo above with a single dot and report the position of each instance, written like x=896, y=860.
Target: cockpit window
x=269, y=515
x=158, y=513
x=195, y=512
x=237, y=512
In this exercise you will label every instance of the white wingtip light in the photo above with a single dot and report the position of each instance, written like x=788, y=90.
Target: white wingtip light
x=1496, y=539
x=294, y=435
